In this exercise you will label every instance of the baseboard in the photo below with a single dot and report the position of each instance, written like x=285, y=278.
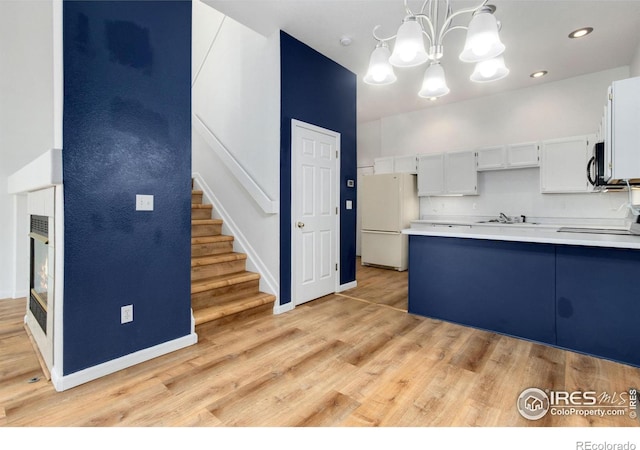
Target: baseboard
x=280, y=309
x=19, y=294
x=5, y=295
x=347, y=286
x=64, y=382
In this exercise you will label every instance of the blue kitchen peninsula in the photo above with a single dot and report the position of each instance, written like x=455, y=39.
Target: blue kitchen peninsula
x=574, y=291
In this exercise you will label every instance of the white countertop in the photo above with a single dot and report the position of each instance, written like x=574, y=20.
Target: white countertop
x=522, y=232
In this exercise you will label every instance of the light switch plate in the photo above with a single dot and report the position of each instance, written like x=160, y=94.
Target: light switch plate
x=349, y=204
x=126, y=314
x=144, y=202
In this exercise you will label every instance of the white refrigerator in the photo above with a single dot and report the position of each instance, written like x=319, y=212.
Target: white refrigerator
x=389, y=203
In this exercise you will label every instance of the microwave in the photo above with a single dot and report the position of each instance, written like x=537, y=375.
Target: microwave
x=599, y=171
x=616, y=156
x=596, y=165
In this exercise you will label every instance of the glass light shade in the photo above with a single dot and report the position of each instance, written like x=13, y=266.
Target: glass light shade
x=380, y=71
x=490, y=70
x=409, y=50
x=434, y=84
x=483, y=41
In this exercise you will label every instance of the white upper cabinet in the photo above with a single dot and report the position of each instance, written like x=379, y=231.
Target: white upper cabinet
x=447, y=174
x=525, y=154
x=383, y=165
x=563, y=165
x=512, y=156
x=406, y=164
x=396, y=164
x=492, y=158
x=431, y=175
x=460, y=173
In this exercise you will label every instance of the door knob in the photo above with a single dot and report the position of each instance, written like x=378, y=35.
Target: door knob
x=300, y=224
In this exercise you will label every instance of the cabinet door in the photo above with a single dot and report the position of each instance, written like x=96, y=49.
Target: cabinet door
x=597, y=303
x=461, y=176
x=431, y=174
x=523, y=155
x=383, y=165
x=491, y=158
x=564, y=164
x=506, y=287
x=405, y=164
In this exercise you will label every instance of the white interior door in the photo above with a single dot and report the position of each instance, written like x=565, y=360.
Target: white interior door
x=314, y=210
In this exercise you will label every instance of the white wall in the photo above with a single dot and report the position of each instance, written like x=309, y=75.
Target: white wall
x=369, y=143
x=236, y=93
x=635, y=62
x=552, y=110
x=26, y=121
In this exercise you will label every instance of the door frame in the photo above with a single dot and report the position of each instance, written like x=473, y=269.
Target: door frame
x=295, y=124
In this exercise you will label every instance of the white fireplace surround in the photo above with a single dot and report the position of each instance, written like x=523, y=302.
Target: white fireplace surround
x=41, y=182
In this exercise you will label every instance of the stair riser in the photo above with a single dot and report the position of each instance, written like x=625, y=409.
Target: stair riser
x=206, y=230
x=196, y=198
x=224, y=294
x=214, y=248
x=200, y=213
x=253, y=313
x=213, y=270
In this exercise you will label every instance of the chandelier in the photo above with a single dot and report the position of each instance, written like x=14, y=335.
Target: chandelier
x=435, y=20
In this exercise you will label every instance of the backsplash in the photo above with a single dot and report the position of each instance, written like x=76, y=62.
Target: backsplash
x=517, y=192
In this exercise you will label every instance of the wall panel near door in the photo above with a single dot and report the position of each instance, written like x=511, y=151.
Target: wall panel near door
x=127, y=131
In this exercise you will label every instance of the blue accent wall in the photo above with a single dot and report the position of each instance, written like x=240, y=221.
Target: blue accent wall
x=127, y=131
x=317, y=90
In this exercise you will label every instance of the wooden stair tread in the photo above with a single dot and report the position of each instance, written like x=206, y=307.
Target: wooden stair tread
x=222, y=289
x=211, y=239
x=206, y=221
x=219, y=281
x=215, y=259
x=216, y=312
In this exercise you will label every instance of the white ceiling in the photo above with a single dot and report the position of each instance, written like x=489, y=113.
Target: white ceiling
x=534, y=32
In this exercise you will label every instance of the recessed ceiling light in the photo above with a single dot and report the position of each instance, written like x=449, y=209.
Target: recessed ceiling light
x=580, y=32
x=538, y=74
x=346, y=41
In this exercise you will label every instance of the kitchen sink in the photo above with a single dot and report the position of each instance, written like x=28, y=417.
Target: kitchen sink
x=496, y=221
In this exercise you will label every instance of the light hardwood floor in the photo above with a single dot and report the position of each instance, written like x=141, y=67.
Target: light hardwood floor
x=342, y=360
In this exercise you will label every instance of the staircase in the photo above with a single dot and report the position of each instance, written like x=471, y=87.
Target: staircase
x=221, y=288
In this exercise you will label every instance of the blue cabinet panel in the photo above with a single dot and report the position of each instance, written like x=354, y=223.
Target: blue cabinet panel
x=506, y=287
x=599, y=302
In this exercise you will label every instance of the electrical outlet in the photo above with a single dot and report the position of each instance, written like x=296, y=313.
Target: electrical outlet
x=126, y=314
x=144, y=202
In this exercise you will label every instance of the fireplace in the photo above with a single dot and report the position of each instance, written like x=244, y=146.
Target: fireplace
x=43, y=293
x=40, y=182
x=39, y=270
